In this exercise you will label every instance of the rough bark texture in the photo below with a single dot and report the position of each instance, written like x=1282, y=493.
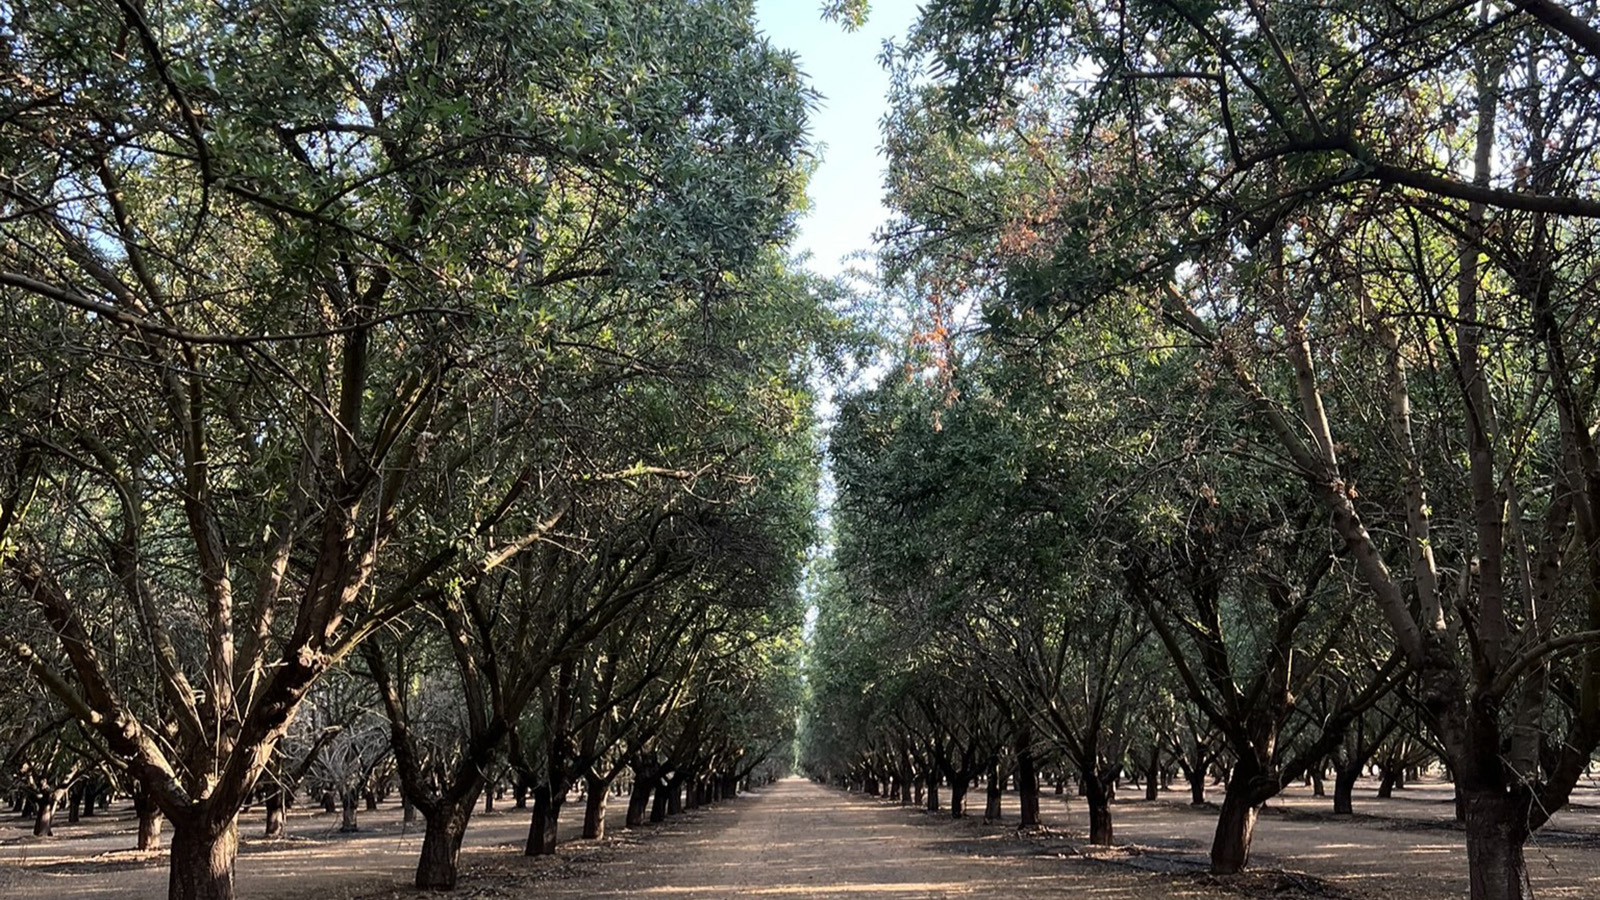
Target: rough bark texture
x=1027, y=790
x=991, y=804
x=275, y=817
x=347, y=810
x=44, y=814
x=1099, y=802
x=441, y=847
x=1236, y=825
x=544, y=828
x=594, y=808
x=1496, y=834
x=638, y=802
x=958, y=797
x=1344, y=785
x=202, y=857
x=149, y=820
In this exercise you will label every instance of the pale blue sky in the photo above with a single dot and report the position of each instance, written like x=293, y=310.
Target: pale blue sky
x=847, y=188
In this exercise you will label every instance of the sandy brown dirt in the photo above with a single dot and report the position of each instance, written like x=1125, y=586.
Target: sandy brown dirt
x=799, y=840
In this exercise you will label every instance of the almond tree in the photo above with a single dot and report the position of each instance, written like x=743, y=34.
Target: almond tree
x=256, y=265
x=1399, y=301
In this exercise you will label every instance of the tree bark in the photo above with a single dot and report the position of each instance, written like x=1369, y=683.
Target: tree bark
x=1496, y=834
x=1344, y=786
x=149, y=819
x=658, y=803
x=1236, y=825
x=594, y=808
x=44, y=813
x=1027, y=789
x=638, y=801
x=674, y=796
x=202, y=856
x=1098, y=799
x=958, y=796
x=544, y=827
x=275, y=816
x=1390, y=777
x=991, y=804
x=438, y=864
x=347, y=809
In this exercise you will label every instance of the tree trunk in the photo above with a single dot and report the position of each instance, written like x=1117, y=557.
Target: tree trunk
x=347, y=807
x=1496, y=834
x=1027, y=789
x=1196, y=776
x=675, y=796
x=594, y=809
x=91, y=796
x=275, y=817
x=1099, y=802
x=441, y=845
x=958, y=795
x=201, y=866
x=1236, y=825
x=44, y=813
x=544, y=827
x=1388, y=779
x=933, y=793
x=1344, y=786
x=991, y=800
x=658, y=803
x=74, y=803
x=638, y=801
x=149, y=819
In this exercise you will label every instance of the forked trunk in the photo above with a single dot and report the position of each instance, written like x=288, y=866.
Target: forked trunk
x=1236, y=825
x=201, y=866
x=1496, y=833
x=438, y=863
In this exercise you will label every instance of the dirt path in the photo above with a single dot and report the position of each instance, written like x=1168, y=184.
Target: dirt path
x=799, y=840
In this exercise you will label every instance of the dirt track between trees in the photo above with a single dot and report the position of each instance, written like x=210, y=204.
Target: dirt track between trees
x=798, y=840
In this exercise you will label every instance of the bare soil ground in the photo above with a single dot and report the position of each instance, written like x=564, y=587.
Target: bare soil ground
x=799, y=840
